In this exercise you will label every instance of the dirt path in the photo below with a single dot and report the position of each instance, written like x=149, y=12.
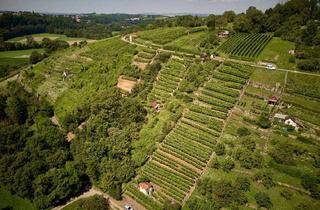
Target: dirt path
x=114, y=204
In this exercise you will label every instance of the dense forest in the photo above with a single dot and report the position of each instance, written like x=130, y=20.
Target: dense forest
x=92, y=26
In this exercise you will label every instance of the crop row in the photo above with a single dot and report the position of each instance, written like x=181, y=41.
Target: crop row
x=175, y=165
x=247, y=45
x=196, y=135
x=222, y=89
x=175, y=143
x=209, y=122
x=183, y=156
x=183, y=182
x=199, y=127
x=215, y=102
x=207, y=111
x=235, y=72
x=229, y=100
x=229, y=44
x=170, y=190
x=198, y=148
x=142, y=199
x=228, y=78
x=145, y=55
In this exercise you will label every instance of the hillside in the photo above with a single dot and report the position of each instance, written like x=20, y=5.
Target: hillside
x=185, y=113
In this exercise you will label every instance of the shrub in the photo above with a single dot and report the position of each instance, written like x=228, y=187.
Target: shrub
x=227, y=164
x=264, y=122
x=243, y=131
x=265, y=178
x=215, y=163
x=249, y=143
x=242, y=183
x=286, y=194
x=263, y=200
x=220, y=149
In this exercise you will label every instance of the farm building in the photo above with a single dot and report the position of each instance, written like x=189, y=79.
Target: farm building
x=291, y=52
x=146, y=188
x=224, y=34
x=273, y=100
x=294, y=123
x=155, y=106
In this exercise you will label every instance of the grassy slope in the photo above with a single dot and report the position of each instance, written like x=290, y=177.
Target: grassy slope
x=17, y=203
x=163, y=35
x=16, y=58
x=188, y=43
x=18, y=53
x=93, y=69
x=39, y=37
x=148, y=136
x=267, y=77
x=277, y=51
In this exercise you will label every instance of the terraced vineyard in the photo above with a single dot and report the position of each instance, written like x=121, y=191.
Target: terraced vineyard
x=245, y=45
x=180, y=160
x=146, y=54
x=168, y=80
x=144, y=57
x=163, y=36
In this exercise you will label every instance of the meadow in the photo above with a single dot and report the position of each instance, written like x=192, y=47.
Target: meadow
x=277, y=51
x=188, y=43
x=39, y=37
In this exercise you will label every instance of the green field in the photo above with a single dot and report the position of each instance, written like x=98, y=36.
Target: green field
x=19, y=53
x=39, y=37
x=267, y=77
x=15, y=202
x=16, y=58
x=87, y=77
x=277, y=51
x=188, y=43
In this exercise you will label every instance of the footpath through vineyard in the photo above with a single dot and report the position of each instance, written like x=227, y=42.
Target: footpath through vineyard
x=182, y=157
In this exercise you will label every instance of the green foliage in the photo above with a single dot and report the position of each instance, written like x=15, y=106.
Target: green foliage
x=284, y=152
x=248, y=143
x=168, y=205
x=265, y=178
x=95, y=202
x=286, y=194
x=248, y=159
x=243, y=131
x=227, y=164
x=37, y=150
x=242, y=183
x=263, y=122
x=35, y=57
x=305, y=85
x=222, y=193
x=104, y=146
x=311, y=184
x=199, y=204
x=220, y=149
x=263, y=200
